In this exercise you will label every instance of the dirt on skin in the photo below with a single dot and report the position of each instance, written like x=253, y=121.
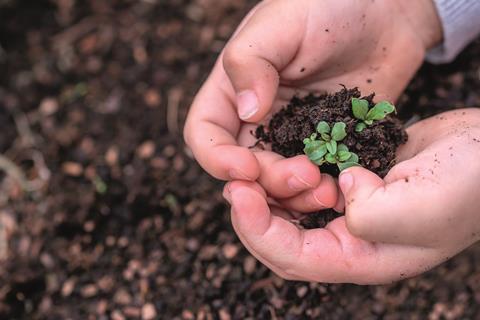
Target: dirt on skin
x=375, y=145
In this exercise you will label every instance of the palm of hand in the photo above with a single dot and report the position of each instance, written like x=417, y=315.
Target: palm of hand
x=420, y=215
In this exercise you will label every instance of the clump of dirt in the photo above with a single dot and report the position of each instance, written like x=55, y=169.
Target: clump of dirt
x=375, y=145
x=319, y=219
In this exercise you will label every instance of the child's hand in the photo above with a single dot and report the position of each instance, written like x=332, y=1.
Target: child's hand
x=429, y=199
x=285, y=47
x=422, y=213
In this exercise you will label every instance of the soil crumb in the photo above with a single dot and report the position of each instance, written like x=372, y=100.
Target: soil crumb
x=319, y=219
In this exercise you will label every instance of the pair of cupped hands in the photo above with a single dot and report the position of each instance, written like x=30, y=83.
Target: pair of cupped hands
x=421, y=214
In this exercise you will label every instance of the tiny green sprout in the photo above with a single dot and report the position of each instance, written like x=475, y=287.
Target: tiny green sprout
x=367, y=116
x=327, y=148
x=100, y=185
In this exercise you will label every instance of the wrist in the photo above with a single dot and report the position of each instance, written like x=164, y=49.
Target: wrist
x=423, y=18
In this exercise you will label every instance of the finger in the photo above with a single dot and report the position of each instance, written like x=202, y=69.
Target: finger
x=324, y=196
x=285, y=177
x=227, y=189
x=393, y=212
x=212, y=126
x=326, y=255
x=420, y=191
x=211, y=129
x=255, y=54
x=275, y=209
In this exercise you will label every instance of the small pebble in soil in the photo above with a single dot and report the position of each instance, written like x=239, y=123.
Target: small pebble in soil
x=149, y=312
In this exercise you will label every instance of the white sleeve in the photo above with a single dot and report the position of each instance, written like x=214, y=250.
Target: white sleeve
x=461, y=24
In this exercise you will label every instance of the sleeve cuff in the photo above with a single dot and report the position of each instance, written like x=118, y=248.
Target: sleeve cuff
x=461, y=24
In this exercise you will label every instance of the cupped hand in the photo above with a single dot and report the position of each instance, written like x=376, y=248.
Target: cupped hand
x=429, y=199
x=420, y=215
x=288, y=47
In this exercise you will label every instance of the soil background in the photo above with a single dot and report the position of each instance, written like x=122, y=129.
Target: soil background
x=120, y=222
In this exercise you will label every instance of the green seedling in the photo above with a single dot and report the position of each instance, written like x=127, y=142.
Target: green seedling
x=368, y=116
x=327, y=149
x=100, y=185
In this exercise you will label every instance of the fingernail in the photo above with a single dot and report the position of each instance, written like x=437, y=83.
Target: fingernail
x=296, y=183
x=238, y=175
x=346, y=181
x=247, y=103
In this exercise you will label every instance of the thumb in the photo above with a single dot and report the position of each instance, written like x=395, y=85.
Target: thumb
x=358, y=185
x=394, y=212
x=255, y=55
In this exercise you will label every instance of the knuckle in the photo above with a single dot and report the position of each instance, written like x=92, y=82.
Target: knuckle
x=232, y=55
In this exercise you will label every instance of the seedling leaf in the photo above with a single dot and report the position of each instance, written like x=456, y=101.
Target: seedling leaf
x=345, y=165
x=318, y=152
x=342, y=147
x=330, y=158
x=338, y=131
x=327, y=148
x=360, y=127
x=351, y=162
x=323, y=128
x=332, y=147
x=353, y=158
x=359, y=108
x=311, y=147
x=343, y=155
x=380, y=111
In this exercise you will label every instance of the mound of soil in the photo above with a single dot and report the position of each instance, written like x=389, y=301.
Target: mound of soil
x=375, y=145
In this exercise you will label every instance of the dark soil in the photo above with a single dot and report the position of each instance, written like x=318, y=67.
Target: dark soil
x=86, y=86
x=319, y=219
x=375, y=145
